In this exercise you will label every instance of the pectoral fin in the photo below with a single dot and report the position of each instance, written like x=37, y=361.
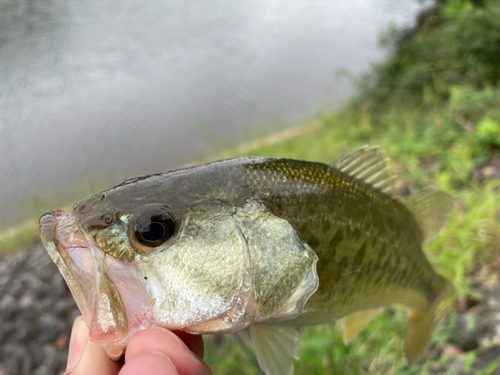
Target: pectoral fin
x=276, y=347
x=354, y=323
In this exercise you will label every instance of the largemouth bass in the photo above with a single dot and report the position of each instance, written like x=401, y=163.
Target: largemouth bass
x=265, y=243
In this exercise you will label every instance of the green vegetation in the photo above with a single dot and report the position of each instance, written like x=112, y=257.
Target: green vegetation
x=435, y=106
x=26, y=233
x=19, y=236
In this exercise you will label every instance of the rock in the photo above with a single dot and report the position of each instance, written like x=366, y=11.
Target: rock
x=12, y=358
x=35, y=311
x=482, y=360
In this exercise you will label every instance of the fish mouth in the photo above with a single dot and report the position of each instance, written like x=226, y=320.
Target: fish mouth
x=110, y=295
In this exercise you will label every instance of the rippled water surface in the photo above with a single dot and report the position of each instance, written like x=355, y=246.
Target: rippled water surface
x=93, y=91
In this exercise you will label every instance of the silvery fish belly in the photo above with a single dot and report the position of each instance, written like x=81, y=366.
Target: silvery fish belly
x=265, y=243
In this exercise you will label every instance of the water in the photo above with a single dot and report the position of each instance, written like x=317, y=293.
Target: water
x=94, y=91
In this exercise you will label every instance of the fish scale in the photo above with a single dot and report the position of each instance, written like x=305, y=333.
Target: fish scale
x=264, y=243
x=346, y=189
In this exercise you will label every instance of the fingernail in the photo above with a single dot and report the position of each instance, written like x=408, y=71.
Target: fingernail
x=157, y=352
x=77, y=343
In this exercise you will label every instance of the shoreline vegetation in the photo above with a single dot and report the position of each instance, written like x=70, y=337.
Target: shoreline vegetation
x=434, y=104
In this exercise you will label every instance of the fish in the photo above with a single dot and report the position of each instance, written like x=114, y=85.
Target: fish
x=269, y=244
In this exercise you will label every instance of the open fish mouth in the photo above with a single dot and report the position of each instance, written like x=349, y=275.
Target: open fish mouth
x=110, y=293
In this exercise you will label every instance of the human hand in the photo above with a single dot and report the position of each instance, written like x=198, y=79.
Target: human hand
x=154, y=351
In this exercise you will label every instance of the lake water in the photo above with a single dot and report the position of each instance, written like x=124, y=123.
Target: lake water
x=94, y=91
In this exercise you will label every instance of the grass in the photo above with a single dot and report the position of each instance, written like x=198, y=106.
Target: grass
x=19, y=236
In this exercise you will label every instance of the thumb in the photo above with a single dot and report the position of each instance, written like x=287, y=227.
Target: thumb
x=86, y=357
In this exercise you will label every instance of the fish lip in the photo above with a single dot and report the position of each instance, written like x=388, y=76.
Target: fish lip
x=91, y=276
x=71, y=251
x=46, y=222
x=51, y=213
x=47, y=226
x=56, y=226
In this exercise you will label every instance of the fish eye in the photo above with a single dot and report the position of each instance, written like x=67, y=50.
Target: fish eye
x=154, y=230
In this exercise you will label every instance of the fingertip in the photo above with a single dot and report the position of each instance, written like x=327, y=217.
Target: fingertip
x=95, y=361
x=166, y=342
x=86, y=357
x=151, y=362
x=77, y=343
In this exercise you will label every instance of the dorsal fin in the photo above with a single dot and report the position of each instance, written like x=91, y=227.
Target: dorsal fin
x=431, y=210
x=367, y=164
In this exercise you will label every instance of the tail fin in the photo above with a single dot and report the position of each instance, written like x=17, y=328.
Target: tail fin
x=431, y=210
x=420, y=324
